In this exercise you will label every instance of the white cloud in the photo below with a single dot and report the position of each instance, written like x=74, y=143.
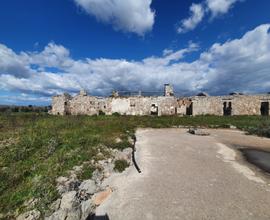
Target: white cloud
x=197, y=14
x=12, y=63
x=199, y=11
x=241, y=64
x=218, y=7
x=134, y=16
x=238, y=65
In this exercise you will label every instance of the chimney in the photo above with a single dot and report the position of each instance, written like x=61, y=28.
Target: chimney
x=168, y=90
x=83, y=92
x=115, y=94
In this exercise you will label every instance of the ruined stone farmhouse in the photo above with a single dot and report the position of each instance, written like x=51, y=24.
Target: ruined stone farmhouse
x=168, y=104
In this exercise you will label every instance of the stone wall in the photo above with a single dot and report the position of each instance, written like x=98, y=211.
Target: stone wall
x=207, y=105
x=248, y=105
x=83, y=104
x=60, y=104
x=141, y=105
x=240, y=104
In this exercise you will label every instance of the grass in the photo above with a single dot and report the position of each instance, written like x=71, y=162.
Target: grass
x=37, y=148
x=120, y=165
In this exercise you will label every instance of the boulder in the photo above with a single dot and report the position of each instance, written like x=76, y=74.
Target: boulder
x=233, y=127
x=87, y=208
x=58, y=215
x=55, y=205
x=88, y=186
x=126, y=154
x=61, y=180
x=74, y=214
x=64, y=185
x=199, y=132
x=30, y=215
x=69, y=200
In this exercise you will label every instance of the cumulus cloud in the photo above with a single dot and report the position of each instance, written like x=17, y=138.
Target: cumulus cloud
x=134, y=16
x=199, y=11
x=241, y=64
x=237, y=65
x=218, y=7
x=197, y=14
x=12, y=63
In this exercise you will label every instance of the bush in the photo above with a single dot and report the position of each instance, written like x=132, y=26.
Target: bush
x=101, y=112
x=86, y=173
x=116, y=114
x=262, y=129
x=120, y=165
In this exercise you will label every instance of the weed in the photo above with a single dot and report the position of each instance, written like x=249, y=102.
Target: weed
x=120, y=165
x=116, y=114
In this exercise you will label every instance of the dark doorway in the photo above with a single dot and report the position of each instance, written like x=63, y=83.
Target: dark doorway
x=227, y=108
x=154, y=109
x=190, y=109
x=265, y=108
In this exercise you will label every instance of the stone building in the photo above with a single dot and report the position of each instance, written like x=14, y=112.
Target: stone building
x=202, y=104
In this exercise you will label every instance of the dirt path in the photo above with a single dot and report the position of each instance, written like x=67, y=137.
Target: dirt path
x=189, y=177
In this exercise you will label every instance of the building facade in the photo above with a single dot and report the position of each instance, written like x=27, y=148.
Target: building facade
x=202, y=104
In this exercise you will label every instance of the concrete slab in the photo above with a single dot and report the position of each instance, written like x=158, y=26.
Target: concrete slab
x=189, y=177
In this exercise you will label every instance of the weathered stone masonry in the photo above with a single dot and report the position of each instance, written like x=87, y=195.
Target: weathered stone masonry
x=236, y=104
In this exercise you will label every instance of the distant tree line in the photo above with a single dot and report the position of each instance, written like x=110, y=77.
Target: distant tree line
x=29, y=108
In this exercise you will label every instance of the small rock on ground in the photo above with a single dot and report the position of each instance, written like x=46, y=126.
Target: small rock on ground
x=198, y=132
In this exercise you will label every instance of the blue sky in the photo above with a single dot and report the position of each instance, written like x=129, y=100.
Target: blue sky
x=49, y=47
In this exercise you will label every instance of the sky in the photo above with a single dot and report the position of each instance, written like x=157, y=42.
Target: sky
x=49, y=47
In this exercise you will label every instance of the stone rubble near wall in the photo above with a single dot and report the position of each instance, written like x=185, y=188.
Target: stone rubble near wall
x=79, y=199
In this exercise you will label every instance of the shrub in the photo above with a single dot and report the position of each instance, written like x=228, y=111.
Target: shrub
x=86, y=173
x=120, y=165
x=116, y=114
x=101, y=112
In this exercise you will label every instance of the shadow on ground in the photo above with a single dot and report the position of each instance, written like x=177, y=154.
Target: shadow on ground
x=94, y=217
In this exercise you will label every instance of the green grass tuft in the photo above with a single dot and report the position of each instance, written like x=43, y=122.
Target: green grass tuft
x=120, y=165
